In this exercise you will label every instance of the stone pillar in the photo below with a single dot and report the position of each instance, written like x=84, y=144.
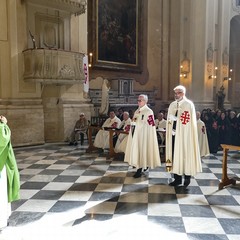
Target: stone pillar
x=222, y=40
x=62, y=106
x=204, y=30
x=197, y=29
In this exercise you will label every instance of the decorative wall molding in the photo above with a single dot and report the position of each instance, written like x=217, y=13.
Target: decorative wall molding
x=236, y=6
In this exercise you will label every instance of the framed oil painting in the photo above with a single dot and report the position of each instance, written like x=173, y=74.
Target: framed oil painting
x=115, y=34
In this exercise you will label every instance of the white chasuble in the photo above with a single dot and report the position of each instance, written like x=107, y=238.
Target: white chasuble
x=122, y=138
x=202, y=138
x=142, y=146
x=186, y=155
x=102, y=137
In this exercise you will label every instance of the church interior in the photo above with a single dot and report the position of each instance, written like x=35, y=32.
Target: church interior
x=60, y=58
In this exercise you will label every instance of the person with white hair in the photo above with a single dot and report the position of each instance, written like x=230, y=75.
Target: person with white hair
x=102, y=138
x=122, y=137
x=182, y=148
x=160, y=123
x=79, y=130
x=142, y=146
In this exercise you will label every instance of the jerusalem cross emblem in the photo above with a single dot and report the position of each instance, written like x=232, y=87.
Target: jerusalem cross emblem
x=151, y=120
x=185, y=117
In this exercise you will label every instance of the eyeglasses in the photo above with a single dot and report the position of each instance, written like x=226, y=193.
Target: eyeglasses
x=177, y=93
x=140, y=100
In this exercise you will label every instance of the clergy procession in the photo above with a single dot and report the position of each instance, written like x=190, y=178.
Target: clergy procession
x=117, y=115
x=144, y=137
x=180, y=130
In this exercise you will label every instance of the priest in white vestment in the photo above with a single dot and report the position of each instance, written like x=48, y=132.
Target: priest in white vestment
x=102, y=137
x=182, y=148
x=161, y=124
x=122, y=137
x=202, y=136
x=142, y=146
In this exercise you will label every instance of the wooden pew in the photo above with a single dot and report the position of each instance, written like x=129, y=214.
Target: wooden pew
x=225, y=180
x=112, y=153
x=162, y=146
x=92, y=148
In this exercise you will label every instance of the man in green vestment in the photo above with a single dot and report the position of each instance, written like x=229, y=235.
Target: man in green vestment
x=8, y=170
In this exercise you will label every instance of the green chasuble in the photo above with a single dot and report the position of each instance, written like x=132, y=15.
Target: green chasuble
x=7, y=158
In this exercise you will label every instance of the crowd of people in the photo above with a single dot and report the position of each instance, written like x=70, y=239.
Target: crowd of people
x=222, y=126
x=186, y=133
x=176, y=128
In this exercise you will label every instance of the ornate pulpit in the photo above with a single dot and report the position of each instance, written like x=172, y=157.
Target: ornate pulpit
x=53, y=66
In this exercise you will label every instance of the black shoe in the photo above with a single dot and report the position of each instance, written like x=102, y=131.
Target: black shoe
x=187, y=181
x=145, y=169
x=70, y=144
x=75, y=143
x=175, y=183
x=138, y=173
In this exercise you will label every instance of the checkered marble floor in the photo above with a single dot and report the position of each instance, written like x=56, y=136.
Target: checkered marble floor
x=67, y=193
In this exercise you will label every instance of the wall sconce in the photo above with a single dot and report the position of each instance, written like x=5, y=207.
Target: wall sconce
x=185, y=67
x=90, y=59
x=182, y=73
x=214, y=76
x=229, y=78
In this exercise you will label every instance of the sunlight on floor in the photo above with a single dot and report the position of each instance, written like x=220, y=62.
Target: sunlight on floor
x=57, y=226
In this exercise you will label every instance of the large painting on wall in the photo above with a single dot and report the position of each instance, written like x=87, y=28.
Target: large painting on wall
x=115, y=34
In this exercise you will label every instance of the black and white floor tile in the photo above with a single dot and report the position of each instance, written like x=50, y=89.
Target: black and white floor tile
x=67, y=193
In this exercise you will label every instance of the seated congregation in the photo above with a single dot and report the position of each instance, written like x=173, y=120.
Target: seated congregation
x=214, y=129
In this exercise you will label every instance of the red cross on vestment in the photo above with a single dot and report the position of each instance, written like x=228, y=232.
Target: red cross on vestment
x=185, y=117
x=151, y=120
x=114, y=125
x=127, y=128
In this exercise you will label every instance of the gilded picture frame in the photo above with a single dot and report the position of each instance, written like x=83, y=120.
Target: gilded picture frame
x=115, y=34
